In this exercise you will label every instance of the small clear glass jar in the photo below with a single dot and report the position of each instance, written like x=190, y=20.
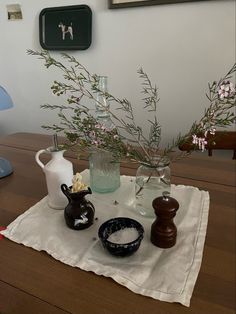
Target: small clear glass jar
x=151, y=181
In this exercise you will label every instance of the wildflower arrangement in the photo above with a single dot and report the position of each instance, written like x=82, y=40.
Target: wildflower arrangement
x=222, y=99
x=127, y=139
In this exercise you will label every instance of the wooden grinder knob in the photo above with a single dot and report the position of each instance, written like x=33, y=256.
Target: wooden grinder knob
x=163, y=230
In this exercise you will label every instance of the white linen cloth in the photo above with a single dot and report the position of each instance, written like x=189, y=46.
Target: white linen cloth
x=164, y=274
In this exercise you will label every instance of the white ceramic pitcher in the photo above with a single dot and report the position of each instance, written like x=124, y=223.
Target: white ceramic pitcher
x=57, y=171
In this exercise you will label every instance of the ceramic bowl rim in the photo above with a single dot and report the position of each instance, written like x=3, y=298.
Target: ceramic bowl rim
x=137, y=226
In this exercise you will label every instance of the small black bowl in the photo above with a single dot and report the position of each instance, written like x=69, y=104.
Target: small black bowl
x=116, y=224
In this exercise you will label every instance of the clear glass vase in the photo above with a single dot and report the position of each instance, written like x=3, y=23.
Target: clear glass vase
x=104, y=172
x=151, y=181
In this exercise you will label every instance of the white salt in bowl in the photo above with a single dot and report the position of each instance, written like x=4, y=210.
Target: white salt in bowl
x=121, y=236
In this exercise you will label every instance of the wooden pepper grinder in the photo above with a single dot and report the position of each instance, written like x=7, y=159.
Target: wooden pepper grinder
x=163, y=230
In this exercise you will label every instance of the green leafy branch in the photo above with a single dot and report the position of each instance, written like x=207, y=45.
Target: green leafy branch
x=132, y=143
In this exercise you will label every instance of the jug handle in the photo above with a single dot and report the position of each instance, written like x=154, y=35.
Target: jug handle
x=65, y=190
x=39, y=162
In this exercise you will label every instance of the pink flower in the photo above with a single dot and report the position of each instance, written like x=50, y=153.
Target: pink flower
x=212, y=130
x=226, y=90
x=195, y=139
x=200, y=141
x=94, y=142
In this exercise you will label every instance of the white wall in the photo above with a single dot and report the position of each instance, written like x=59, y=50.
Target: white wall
x=181, y=46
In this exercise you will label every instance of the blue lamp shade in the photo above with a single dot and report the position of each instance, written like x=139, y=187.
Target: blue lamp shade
x=5, y=99
x=5, y=168
x=5, y=103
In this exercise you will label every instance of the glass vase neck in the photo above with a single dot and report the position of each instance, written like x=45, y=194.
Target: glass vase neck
x=102, y=104
x=157, y=161
x=102, y=83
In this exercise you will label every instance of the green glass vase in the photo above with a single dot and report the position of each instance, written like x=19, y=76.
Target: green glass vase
x=104, y=172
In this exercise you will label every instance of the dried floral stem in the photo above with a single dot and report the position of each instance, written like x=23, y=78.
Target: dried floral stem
x=131, y=142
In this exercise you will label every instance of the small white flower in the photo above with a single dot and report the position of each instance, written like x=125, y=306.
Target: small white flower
x=212, y=130
x=200, y=141
x=226, y=90
x=77, y=184
x=94, y=142
x=195, y=139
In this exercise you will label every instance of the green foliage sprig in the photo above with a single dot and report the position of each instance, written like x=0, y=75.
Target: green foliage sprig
x=128, y=140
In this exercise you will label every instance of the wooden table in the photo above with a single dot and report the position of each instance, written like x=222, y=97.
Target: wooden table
x=32, y=282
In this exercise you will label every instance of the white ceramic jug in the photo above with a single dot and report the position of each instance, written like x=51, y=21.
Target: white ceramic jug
x=57, y=171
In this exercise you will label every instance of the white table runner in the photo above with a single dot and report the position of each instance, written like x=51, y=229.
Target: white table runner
x=164, y=274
